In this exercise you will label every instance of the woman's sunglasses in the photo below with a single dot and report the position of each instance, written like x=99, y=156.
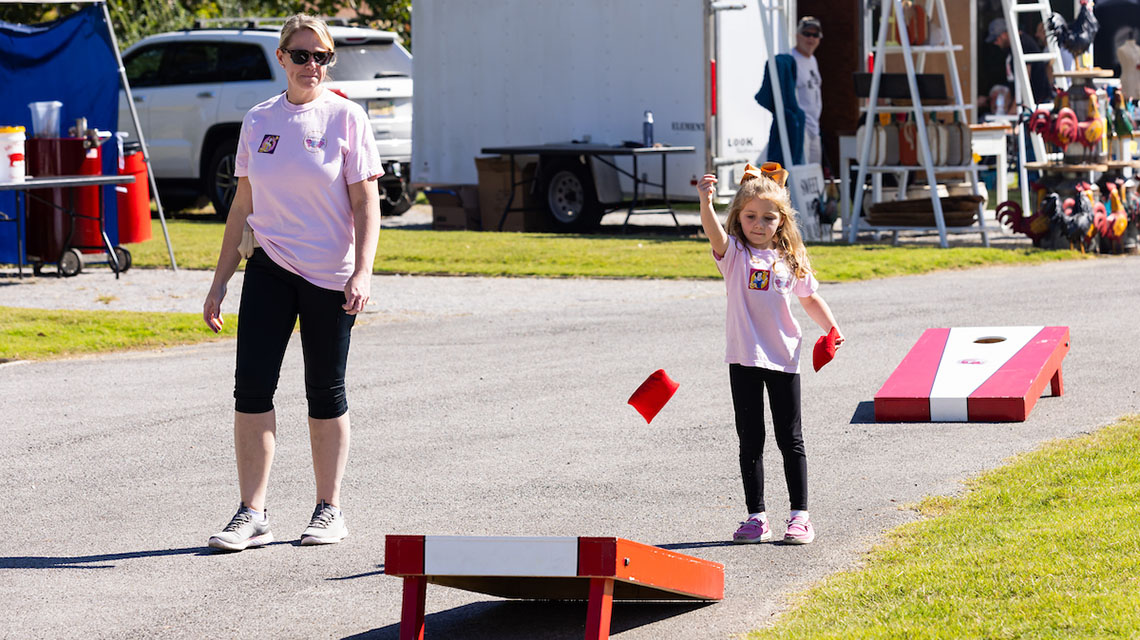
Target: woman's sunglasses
x=300, y=56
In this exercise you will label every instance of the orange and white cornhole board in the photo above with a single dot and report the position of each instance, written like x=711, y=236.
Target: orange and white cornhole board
x=974, y=374
x=594, y=569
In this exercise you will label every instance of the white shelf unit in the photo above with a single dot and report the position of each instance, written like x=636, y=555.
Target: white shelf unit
x=926, y=159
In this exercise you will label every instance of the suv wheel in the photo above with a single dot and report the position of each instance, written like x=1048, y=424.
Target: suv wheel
x=220, y=181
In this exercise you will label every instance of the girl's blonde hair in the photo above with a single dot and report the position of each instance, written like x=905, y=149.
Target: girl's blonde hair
x=787, y=242
x=302, y=21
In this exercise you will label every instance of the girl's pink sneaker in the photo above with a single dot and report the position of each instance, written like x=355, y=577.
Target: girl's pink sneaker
x=799, y=531
x=752, y=530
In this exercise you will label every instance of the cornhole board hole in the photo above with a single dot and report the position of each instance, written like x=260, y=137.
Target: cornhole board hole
x=598, y=570
x=974, y=374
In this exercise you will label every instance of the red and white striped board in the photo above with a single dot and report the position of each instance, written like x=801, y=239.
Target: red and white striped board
x=548, y=568
x=974, y=374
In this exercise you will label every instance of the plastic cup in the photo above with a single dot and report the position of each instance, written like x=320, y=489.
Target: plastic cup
x=45, y=118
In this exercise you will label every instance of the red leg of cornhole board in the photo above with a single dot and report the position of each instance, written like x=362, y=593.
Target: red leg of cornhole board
x=599, y=609
x=1057, y=385
x=412, y=613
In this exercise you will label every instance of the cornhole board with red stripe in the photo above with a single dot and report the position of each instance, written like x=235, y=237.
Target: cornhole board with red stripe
x=557, y=568
x=974, y=374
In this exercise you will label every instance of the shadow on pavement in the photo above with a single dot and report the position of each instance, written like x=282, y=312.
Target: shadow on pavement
x=512, y=620
x=100, y=561
x=864, y=413
x=378, y=572
x=695, y=545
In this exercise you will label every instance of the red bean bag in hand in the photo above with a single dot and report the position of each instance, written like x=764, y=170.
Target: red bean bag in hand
x=824, y=349
x=652, y=395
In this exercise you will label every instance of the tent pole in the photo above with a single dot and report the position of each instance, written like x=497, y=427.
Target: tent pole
x=142, y=140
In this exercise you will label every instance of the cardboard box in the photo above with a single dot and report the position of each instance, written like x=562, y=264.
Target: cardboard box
x=454, y=207
x=495, y=190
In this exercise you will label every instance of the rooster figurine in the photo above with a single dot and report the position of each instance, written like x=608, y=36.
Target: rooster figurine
x=1074, y=218
x=1076, y=36
x=1035, y=226
x=1122, y=122
x=1116, y=222
x=1091, y=131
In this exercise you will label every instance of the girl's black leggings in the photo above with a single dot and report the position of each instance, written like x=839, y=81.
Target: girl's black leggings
x=271, y=301
x=748, y=385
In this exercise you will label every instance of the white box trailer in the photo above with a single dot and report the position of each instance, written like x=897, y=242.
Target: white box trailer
x=523, y=72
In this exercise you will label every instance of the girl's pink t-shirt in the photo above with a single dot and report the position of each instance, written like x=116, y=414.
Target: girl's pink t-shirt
x=300, y=160
x=759, y=326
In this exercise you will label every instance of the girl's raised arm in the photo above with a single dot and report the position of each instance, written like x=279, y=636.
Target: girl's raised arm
x=712, y=226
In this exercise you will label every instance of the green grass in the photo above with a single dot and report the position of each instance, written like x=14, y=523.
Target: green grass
x=37, y=334
x=1047, y=546
x=562, y=255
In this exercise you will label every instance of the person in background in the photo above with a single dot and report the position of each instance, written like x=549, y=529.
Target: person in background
x=809, y=93
x=306, y=216
x=800, y=85
x=998, y=35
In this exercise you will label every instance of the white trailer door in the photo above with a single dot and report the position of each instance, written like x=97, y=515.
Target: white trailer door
x=742, y=125
x=512, y=72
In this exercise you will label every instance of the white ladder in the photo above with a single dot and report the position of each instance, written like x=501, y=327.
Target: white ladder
x=1023, y=88
x=926, y=159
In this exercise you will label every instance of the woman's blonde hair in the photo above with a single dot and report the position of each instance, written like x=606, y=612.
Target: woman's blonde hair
x=787, y=242
x=302, y=21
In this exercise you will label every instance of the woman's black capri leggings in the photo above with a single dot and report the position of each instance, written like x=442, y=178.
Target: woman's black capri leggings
x=271, y=301
x=748, y=384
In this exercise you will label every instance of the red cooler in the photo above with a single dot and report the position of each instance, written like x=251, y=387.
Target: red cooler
x=134, y=198
x=49, y=228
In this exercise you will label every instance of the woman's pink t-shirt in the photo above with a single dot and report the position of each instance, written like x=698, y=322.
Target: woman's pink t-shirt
x=759, y=328
x=300, y=159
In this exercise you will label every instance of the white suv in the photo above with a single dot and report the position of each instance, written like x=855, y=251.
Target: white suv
x=192, y=88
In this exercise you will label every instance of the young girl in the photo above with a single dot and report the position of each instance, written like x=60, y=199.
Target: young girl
x=764, y=262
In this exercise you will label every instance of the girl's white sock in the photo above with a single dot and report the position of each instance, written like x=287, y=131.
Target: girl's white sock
x=797, y=513
x=761, y=516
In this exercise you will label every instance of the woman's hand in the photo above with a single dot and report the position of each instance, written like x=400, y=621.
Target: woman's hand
x=356, y=292
x=212, y=308
x=707, y=188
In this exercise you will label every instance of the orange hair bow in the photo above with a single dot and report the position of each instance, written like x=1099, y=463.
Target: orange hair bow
x=771, y=170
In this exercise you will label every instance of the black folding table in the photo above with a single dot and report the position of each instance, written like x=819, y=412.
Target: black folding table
x=21, y=190
x=605, y=154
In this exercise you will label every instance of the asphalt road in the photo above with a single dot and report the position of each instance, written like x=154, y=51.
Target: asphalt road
x=497, y=407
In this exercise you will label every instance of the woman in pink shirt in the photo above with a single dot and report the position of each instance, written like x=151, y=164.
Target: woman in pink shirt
x=307, y=169
x=764, y=263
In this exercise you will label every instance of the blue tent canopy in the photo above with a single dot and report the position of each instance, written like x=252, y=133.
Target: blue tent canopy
x=74, y=60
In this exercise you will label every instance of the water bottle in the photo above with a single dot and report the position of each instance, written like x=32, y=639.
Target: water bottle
x=647, y=130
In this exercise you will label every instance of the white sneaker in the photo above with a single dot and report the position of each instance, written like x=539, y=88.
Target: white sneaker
x=245, y=530
x=326, y=527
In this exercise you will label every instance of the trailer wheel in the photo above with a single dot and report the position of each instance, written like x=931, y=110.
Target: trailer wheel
x=567, y=187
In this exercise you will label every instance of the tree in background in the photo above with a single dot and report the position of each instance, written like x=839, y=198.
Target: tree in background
x=136, y=19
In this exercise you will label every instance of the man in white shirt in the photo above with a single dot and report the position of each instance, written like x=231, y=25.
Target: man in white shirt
x=809, y=85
